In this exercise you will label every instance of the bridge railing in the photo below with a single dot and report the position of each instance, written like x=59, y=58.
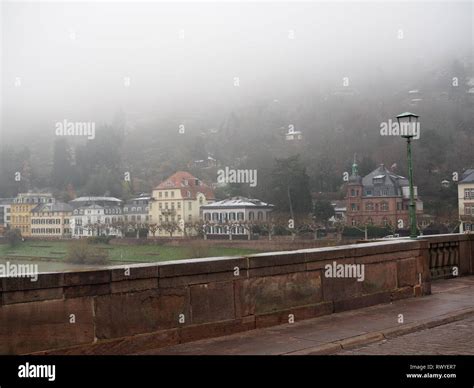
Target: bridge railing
x=450, y=255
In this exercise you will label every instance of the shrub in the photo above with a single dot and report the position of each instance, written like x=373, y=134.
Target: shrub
x=80, y=252
x=197, y=249
x=13, y=237
x=99, y=239
x=372, y=232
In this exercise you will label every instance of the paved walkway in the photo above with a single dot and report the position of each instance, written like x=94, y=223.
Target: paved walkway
x=438, y=323
x=450, y=339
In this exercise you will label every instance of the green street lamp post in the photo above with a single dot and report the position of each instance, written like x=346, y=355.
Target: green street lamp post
x=407, y=123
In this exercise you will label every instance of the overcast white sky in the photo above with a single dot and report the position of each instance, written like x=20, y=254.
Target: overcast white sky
x=72, y=57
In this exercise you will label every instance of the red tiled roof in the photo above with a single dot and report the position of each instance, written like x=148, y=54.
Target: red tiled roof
x=189, y=185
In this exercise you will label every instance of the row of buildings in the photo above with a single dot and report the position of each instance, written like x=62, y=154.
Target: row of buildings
x=380, y=198
x=180, y=200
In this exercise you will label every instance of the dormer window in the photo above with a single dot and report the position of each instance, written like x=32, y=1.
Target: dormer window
x=378, y=179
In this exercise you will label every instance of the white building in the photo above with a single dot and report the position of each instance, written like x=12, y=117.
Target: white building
x=294, y=135
x=5, y=211
x=466, y=201
x=137, y=209
x=96, y=220
x=231, y=216
x=340, y=210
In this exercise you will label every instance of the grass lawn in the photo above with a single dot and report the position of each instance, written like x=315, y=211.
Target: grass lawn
x=57, y=250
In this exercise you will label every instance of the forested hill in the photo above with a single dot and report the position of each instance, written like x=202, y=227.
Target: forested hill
x=337, y=121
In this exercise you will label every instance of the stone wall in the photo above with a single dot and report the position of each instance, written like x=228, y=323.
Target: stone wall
x=113, y=311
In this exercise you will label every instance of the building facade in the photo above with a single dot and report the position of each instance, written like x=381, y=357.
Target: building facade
x=232, y=216
x=380, y=198
x=177, y=201
x=51, y=220
x=136, y=210
x=95, y=220
x=21, y=209
x=466, y=201
x=5, y=214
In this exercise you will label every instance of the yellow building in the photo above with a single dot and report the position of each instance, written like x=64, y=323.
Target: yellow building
x=21, y=209
x=51, y=220
x=466, y=201
x=177, y=201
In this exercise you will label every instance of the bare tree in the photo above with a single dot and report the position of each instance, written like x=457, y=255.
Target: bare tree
x=170, y=227
x=153, y=228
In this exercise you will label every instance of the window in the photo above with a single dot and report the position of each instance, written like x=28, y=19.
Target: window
x=172, y=194
x=468, y=193
x=384, y=206
x=260, y=216
x=179, y=205
x=166, y=194
x=251, y=216
x=160, y=194
x=353, y=193
x=190, y=206
x=469, y=209
x=369, y=206
x=368, y=193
